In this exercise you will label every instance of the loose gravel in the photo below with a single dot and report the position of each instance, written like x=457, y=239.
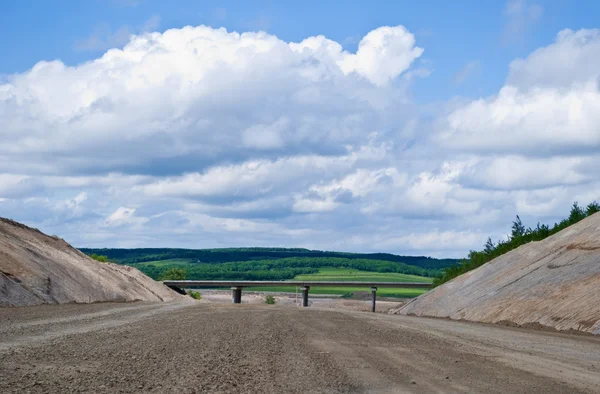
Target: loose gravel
x=210, y=348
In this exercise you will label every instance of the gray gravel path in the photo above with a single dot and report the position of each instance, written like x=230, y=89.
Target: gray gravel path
x=211, y=348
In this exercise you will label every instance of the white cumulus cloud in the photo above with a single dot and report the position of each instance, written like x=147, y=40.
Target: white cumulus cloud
x=201, y=137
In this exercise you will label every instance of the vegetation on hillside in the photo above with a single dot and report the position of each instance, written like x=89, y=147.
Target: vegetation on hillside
x=282, y=264
x=281, y=269
x=354, y=275
x=218, y=256
x=519, y=236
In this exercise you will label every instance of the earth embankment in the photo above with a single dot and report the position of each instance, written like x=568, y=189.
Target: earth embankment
x=553, y=283
x=38, y=269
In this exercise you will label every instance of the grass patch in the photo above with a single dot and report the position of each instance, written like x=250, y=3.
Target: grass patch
x=351, y=274
x=348, y=275
x=194, y=294
x=165, y=263
x=343, y=291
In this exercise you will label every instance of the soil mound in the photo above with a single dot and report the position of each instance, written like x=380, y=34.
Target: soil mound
x=39, y=269
x=552, y=283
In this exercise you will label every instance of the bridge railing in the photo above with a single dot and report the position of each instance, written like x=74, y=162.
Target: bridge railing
x=238, y=285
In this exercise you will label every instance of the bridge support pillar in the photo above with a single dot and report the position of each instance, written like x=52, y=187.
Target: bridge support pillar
x=236, y=295
x=373, y=298
x=305, y=295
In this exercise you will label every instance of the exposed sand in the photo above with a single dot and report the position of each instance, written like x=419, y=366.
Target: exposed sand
x=38, y=269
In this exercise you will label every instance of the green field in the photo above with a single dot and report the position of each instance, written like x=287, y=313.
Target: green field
x=183, y=263
x=349, y=274
x=345, y=291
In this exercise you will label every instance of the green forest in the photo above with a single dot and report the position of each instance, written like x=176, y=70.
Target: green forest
x=264, y=263
x=215, y=256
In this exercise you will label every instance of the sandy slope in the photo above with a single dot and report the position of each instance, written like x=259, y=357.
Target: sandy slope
x=208, y=348
x=553, y=283
x=37, y=269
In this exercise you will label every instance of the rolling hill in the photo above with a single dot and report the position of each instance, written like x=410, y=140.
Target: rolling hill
x=266, y=263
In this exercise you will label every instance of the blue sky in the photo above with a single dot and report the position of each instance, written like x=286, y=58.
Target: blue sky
x=454, y=34
x=408, y=127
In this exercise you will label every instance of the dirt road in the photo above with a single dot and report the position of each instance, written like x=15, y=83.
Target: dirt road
x=182, y=348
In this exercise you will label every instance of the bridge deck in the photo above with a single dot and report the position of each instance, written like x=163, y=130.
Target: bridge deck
x=256, y=283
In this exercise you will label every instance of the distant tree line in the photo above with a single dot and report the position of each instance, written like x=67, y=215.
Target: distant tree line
x=280, y=269
x=219, y=256
x=519, y=236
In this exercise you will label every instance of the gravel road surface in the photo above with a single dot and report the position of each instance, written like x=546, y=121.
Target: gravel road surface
x=209, y=348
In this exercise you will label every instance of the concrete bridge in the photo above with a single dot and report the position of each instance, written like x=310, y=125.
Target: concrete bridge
x=238, y=285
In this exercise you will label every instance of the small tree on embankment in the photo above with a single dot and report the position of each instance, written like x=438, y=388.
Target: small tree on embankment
x=102, y=259
x=173, y=273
